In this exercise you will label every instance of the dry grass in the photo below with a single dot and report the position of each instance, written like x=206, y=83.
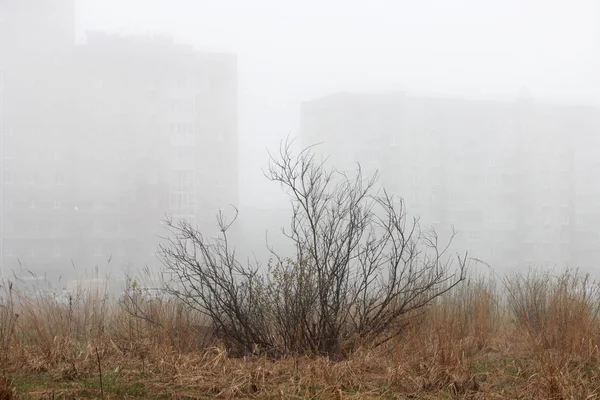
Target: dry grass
x=529, y=337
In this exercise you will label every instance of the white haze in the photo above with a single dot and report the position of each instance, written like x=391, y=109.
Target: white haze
x=291, y=52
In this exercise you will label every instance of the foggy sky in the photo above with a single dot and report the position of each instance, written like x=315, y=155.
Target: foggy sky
x=295, y=51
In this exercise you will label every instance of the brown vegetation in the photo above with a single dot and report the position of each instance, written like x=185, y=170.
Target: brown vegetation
x=360, y=271
x=531, y=337
x=369, y=307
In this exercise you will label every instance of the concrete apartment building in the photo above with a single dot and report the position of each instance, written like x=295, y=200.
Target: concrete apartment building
x=515, y=179
x=101, y=141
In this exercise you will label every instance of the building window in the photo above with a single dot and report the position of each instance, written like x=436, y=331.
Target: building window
x=9, y=251
x=35, y=229
x=57, y=228
x=8, y=227
x=56, y=204
x=182, y=203
x=56, y=250
x=7, y=177
x=152, y=178
x=98, y=250
x=97, y=227
x=8, y=152
x=473, y=235
x=185, y=153
x=565, y=215
x=32, y=203
x=31, y=252
x=183, y=179
x=547, y=219
x=59, y=180
x=57, y=156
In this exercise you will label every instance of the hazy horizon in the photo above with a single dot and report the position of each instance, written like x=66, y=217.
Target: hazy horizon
x=288, y=54
x=100, y=141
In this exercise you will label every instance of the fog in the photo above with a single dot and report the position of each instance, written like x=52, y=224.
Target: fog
x=382, y=83
x=292, y=53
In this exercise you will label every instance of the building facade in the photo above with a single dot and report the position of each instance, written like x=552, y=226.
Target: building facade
x=101, y=142
x=513, y=178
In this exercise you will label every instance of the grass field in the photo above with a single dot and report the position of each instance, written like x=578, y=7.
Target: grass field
x=534, y=336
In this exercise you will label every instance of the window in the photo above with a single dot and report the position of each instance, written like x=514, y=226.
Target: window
x=97, y=227
x=32, y=203
x=35, y=228
x=183, y=179
x=9, y=251
x=8, y=204
x=152, y=178
x=565, y=215
x=56, y=250
x=8, y=151
x=547, y=217
x=57, y=228
x=8, y=227
x=182, y=202
x=56, y=204
x=7, y=177
x=59, y=179
x=32, y=178
x=185, y=153
x=57, y=156
x=473, y=235
x=31, y=252
x=98, y=250
x=529, y=218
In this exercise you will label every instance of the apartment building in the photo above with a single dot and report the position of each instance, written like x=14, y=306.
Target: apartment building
x=102, y=141
x=513, y=178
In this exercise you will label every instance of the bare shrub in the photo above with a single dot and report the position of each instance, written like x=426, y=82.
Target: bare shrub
x=360, y=267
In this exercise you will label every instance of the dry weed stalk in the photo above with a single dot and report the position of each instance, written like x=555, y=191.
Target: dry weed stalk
x=464, y=345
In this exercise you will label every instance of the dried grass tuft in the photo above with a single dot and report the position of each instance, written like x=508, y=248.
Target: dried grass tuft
x=534, y=337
